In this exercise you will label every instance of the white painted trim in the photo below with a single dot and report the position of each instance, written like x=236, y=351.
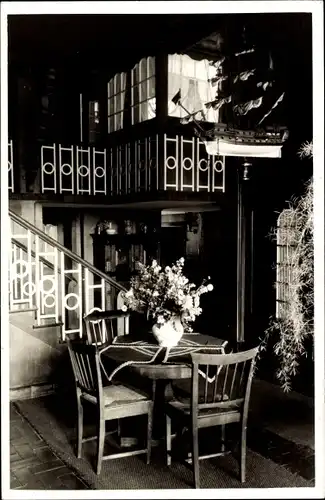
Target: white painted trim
x=225, y=148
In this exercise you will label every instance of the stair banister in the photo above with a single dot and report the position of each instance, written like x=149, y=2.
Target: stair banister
x=42, y=259
x=27, y=287
x=66, y=251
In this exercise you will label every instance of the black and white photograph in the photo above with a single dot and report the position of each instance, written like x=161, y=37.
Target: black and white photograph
x=162, y=249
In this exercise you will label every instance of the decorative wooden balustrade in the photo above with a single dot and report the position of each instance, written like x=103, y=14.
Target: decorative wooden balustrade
x=160, y=162
x=10, y=167
x=57, y=283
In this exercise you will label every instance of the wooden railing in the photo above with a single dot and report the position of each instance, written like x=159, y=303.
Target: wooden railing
x=10, y=167
x=59, y=284
x=165, y=162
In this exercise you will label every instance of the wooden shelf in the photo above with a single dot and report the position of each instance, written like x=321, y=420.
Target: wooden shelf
x=132, y=247
x=125, y=241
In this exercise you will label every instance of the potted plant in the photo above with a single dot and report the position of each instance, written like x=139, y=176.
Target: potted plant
x=291, y=329
x=167, y=298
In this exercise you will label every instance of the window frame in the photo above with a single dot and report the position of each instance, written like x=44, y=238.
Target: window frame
x=286, y=245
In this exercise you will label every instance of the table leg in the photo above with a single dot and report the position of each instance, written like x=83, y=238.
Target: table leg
x=162, y=392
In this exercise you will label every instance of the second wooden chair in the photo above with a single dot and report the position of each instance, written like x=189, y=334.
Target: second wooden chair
x=111, y=402
x=219, y=395
x=103, y=326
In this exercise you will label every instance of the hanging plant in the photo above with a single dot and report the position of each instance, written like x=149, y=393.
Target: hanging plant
x=294, y=322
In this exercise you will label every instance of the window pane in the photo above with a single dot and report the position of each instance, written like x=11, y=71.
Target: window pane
x=190, y=77
x=116, y=99
x=143, y=90
x=151, y=108
x=188, y=66
x=111, y=106
x=110, y=88
x=151, y=87
x=136, y=94
x=142, y=70
x=136, y=114
x=151, y=67
x=118, y=103
x=174, y=64
x=118, y=83
x=118, y=121
x=110, y=124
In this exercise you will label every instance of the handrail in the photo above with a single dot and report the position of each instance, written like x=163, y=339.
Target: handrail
x=69, y=253
x=44, y=261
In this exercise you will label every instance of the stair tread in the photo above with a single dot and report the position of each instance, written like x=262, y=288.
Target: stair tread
x=25, y=309
x=35, y=327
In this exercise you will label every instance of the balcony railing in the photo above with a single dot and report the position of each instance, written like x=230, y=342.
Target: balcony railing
x=188, y=167
x=160, y=162
x=10, y=167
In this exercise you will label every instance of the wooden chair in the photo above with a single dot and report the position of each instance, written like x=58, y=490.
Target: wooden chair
x=219, y=395
x=103, y=326
x=112, y=402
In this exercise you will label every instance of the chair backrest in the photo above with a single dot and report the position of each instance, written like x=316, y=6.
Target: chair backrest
x=222, y=380
x=86, y=367
x=104, y=326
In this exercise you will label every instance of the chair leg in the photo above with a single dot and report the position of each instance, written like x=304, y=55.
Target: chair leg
x=79, y=427
x=119, y=432
x=168, y=440
x=100, y=443
x=195, y=457
x=223, y=438
x=243, y=453
x=149, y=434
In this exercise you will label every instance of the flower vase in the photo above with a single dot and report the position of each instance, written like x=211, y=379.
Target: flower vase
x=168, y=334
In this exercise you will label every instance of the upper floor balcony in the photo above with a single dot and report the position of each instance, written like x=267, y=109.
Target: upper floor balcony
x=127, y=142
x=148, y=166
x=133, y=137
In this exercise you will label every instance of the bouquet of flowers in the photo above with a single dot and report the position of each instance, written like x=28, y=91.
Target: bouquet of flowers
x=166, y=293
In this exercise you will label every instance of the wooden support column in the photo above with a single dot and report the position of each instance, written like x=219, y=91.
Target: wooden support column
x=244, y=252
x=161, y=110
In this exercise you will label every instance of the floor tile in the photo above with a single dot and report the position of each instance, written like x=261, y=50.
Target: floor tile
x=14, y=456
x=24, y=450
x=45, y=455
x=50, y=480
x=23, y=475
x=47, y=466
x=33, y=484
x=14, y=481
x=72, y=482
x=25, y=462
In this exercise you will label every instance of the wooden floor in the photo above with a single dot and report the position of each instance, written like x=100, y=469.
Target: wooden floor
x=32, y=464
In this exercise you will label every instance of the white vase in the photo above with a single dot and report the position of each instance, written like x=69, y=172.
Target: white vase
x=169, y=333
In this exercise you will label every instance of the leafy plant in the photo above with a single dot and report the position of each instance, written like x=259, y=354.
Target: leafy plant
x=295, y=323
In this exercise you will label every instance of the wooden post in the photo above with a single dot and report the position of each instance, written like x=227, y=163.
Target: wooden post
x=244, y=253
x=161, y=110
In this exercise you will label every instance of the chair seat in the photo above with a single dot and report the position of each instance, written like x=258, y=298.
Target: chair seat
x=182, y=392
x=185, y=408
x=117, y=395
x=206, y=417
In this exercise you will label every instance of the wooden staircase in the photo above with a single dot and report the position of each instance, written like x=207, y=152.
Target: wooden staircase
x=35, y=355
x=51, y=289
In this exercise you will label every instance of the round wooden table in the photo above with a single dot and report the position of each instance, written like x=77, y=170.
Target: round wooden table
x=143, y=356
x=146, y=359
